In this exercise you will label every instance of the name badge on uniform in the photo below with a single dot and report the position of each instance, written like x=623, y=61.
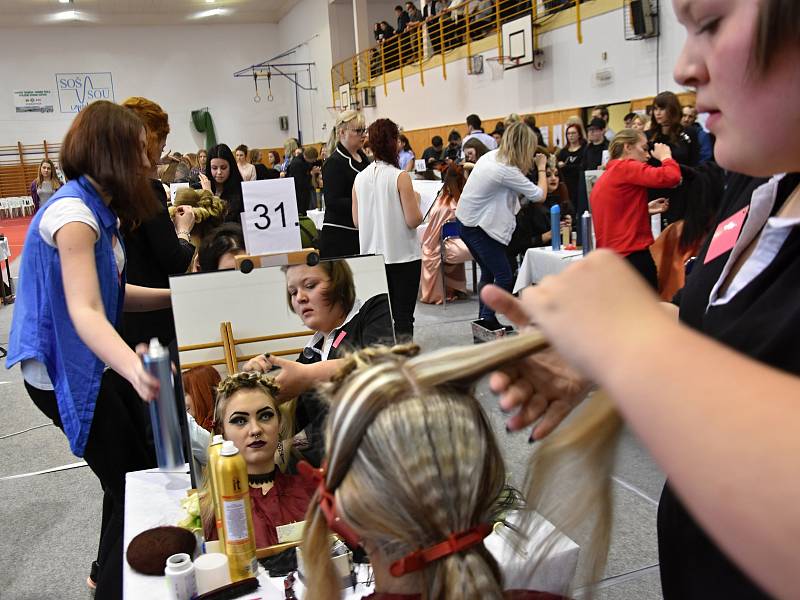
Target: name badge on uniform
x=339, y=339
x=726, y=234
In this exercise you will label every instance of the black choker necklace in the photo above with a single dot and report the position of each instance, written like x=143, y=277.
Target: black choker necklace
x=262, y=481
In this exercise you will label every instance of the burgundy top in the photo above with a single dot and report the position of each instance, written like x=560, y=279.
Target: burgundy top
x=286, y=502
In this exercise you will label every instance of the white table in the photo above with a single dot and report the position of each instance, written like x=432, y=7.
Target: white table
x=540, y=262
x=152, y=499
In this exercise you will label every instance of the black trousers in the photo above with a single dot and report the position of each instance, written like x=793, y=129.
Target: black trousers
x=117, y=444
x=335, y=242
x=643, y=262
x=403, y=282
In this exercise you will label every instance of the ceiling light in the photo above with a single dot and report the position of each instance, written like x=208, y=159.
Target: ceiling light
x=64, y=1
x=214, y=12
x=207, y=1
x=71, y=15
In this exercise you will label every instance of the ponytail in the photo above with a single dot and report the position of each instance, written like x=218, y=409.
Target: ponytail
x=342, y=119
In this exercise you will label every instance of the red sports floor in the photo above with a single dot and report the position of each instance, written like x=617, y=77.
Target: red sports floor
x=15, y=230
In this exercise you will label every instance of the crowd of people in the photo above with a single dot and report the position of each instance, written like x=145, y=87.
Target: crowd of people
x=400, y=458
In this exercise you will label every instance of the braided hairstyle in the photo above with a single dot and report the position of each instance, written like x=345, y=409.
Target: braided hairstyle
x=412, y=459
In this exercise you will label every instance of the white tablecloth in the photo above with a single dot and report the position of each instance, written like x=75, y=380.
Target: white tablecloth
x=152, y=499
x=318, y=216
x=539, y=262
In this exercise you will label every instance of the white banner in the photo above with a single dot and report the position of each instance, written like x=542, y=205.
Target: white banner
x=33, y=101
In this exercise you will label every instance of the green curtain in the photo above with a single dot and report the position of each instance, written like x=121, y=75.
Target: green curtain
x=205, y=124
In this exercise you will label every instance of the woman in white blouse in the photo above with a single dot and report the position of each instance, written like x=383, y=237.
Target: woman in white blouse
x=386, y=212
x=490, y=201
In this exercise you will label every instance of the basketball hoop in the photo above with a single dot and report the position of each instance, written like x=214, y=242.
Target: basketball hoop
x=499, y=64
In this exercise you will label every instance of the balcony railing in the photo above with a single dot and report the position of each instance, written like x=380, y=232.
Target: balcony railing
x=464, y=29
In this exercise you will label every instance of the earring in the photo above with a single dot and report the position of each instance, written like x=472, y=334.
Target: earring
x=280, y=451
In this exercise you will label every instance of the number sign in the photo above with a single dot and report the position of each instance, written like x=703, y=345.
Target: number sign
x=270, y=220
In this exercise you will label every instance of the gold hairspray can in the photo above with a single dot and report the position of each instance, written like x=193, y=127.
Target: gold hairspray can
x=213, y=459
x=237, y=516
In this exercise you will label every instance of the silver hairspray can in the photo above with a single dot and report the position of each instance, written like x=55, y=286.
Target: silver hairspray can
x=164, y=410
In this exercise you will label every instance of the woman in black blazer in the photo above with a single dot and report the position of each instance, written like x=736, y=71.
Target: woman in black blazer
x=339, y=236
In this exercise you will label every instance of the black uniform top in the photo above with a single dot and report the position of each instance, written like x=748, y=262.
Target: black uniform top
x=338, y=175
x=760, y=321
x=572, y=169
x=593, y=155
x=264, y=172
x=371, y=325
x=432, y=156
x=686, y=152
x=154, y=252
x=300, y=169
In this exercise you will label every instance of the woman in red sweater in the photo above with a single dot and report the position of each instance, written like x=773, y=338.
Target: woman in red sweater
x=619, y=199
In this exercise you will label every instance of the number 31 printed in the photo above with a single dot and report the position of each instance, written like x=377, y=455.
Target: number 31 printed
x=264, y=215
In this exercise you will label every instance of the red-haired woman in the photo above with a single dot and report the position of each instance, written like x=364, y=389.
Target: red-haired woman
x=77, y=369
x=157, y=247
x=455, y=250
x=199, y=387
x=45, y=184
x=386, y=212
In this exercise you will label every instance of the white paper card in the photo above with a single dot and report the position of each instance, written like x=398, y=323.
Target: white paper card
x=291, y=532
x=173, y=190
x=545, y=135
x=427, y=190
x=270, y=220
x=420, y=166
x=558, y=136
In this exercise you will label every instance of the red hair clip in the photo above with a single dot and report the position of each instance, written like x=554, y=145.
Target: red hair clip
x=455, y=542
x=327, y=504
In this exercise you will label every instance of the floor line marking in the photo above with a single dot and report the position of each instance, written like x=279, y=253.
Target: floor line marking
x=76, y=465
x=635, y=490
x=8, y=435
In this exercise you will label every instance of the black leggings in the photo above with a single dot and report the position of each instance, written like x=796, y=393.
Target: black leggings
x=402, y=279
x=117, y=444
x=643, y=262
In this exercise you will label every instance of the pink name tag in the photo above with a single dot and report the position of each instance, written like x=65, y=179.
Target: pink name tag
x=339, y=339
x=726, y=234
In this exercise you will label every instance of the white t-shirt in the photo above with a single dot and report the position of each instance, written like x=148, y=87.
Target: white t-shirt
x=66, y=210
x=490, y=199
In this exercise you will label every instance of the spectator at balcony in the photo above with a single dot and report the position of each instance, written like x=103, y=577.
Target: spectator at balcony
x=387, y=30
x=453, y=150
x=434, y=24
x=474, y=130
x=414, y=14
x=601, y=112
x=377, y=31
x=402, y=19
x=434, y=154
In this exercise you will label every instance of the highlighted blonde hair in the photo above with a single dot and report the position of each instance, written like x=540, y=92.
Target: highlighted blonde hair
x=411, y=459
x=624, y=137
x=344, y=119
x=518, y=146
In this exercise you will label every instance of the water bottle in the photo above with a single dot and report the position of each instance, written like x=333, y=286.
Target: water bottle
x=555, y=226
x=164, y=409
x=586, y=232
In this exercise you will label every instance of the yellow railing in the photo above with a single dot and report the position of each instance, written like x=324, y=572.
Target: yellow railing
x=473, y=26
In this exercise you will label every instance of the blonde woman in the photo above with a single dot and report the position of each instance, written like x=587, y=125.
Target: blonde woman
x=490, y=201
x=339, y=236
x=412, y=467
x=45, y=184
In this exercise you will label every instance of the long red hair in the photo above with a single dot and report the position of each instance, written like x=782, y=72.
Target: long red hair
x=201, y=384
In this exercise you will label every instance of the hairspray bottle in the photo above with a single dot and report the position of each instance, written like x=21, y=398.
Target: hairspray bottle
x=211, y=476
x=586, y=232
x=555, y=226
x=164, y=409
x=237, y=516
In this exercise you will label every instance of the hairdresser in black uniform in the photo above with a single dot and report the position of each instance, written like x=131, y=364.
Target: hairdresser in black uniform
x=716, y=398
x=324, y=297
x=339, y=236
